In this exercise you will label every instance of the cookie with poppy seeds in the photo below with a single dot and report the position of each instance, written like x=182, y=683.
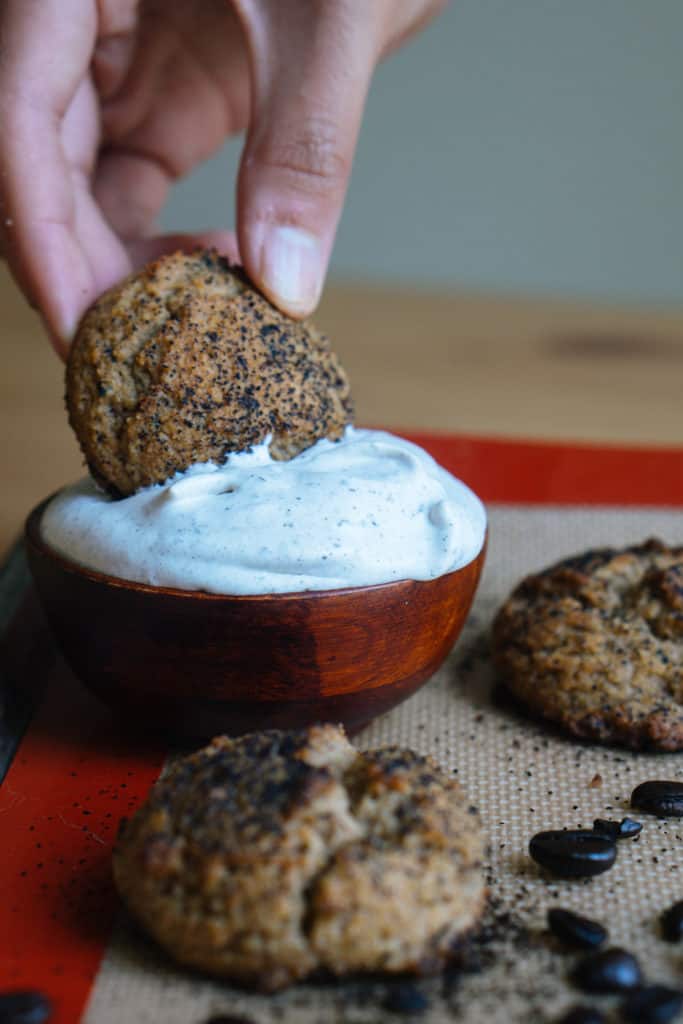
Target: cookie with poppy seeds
x=595, y=644
x=278, y=854
x=185, y=362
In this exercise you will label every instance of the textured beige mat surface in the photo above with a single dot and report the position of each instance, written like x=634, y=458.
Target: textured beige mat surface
x=523, y=777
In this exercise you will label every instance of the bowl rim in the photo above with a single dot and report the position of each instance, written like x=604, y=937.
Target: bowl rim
x=34, y=538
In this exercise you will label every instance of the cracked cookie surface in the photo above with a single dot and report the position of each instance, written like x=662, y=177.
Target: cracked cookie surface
x=268, y=857
x=185, y=362
x=595, y=643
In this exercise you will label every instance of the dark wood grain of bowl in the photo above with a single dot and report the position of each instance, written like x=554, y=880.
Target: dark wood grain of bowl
x=198, y=664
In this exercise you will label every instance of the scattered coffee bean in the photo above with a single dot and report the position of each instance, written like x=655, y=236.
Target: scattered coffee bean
x=24, y=1008
x=406, y=998
x=653, y=1004
x=613, y=970
x=575, y=930
x=672, y=922
x=659, y=797
x=582, y=1015
x=624, y=829
x=629, y=828
x=573, y=853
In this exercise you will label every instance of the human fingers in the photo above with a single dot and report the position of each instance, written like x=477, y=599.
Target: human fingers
x=311, y=65
x=130, y=189
x=171, y=94
x=48, y=137
x=404, y=18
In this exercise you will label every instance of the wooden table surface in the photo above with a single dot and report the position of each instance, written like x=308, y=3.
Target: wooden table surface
x=473, y=364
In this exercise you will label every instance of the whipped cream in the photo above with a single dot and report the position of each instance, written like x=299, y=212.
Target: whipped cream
x=370, y=508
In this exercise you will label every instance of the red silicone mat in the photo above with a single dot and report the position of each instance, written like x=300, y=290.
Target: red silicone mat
x=74, y=775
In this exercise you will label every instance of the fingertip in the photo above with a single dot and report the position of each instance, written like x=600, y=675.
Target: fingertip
x=60, y=315
x=59, y=344
x=56, y=306
x=288, y=264
x=63, y=310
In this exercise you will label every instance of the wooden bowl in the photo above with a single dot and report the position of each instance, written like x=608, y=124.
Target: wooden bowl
x=199, y=664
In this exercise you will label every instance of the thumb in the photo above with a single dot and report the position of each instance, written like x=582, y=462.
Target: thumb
x=311, y=65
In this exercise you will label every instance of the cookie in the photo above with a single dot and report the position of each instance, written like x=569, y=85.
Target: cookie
x=186, y=362
x=595, y=644
x=268, y=857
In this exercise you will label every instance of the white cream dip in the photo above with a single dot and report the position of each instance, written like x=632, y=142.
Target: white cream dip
x=370, y=508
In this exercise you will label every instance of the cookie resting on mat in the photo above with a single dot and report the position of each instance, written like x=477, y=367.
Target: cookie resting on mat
x=185, y=362
x=268, y=857
x=595, y=643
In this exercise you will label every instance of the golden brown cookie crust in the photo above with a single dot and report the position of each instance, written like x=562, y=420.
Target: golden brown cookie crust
x=186, y=362
x=595, y=643
x=271, y=856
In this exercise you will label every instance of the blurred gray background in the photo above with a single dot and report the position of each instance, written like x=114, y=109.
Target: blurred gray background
x=516, y=145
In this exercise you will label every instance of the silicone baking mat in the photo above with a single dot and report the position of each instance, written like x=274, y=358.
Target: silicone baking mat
x=73, y=775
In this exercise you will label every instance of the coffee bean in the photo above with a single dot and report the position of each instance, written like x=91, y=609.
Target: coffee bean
x=574, y=853
x=672, y=922
x=653, y=1004
x=624, y=829
x=612, y=970
x=582, y=1015
x=576, y=930
x=406, y=998
x=629, y=827
x=659, y=797
x=24, y=1008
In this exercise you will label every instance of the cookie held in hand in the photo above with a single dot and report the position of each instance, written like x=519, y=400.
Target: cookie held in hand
x=185, y=362
x=595, y=644
x=277, y=854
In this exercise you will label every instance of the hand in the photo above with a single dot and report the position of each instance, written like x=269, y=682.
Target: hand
x=104, y=103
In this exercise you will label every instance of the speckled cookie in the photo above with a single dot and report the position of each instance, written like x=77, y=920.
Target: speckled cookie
x=185, y=362
x=595, y=643
x=269, y=857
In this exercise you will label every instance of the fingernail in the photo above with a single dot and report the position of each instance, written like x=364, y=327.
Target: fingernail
x=291, y=268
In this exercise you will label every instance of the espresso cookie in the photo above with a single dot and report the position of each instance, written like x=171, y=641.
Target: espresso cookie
x=595, y=643
x=186, y=362
x=268, y=857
